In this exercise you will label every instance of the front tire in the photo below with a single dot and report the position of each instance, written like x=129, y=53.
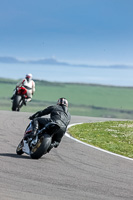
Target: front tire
x=16, y=103
x=19, y=150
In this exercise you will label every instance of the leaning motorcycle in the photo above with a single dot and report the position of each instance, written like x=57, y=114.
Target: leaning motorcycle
x=19, y=98
x=38, y=146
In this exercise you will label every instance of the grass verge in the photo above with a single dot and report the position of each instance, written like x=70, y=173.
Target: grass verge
x=113, y=136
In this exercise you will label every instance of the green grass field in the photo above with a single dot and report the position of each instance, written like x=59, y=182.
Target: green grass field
x=114, y=136
x=84, y=99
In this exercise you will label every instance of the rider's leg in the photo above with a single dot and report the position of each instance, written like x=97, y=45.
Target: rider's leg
x=29, y=97
x=35, y=126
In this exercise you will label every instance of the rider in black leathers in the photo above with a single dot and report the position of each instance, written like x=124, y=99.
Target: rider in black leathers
x=58, y=114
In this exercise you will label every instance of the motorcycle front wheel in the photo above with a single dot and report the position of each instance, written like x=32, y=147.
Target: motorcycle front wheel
x=19, y=150
x=16, y=103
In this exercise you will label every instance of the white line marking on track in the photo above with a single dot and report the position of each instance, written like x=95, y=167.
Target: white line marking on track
x=94, y=146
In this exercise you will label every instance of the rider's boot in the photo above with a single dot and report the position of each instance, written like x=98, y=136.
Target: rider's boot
x=35, y=128
x=33, y=133
x=54, y=144
x=27, y=100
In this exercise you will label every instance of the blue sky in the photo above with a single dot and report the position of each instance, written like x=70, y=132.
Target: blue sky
x=97, y=32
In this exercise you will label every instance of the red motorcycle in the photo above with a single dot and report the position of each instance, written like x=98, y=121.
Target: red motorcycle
x=19, y=98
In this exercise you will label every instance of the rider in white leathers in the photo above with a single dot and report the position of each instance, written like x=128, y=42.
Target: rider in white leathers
x=29, y=84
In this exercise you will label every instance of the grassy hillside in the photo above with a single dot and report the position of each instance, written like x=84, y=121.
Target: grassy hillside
x=84, y=99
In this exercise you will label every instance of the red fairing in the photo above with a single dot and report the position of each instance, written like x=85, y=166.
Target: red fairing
x=22, y=91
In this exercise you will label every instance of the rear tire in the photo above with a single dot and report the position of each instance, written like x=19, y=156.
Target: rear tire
x=41, y=147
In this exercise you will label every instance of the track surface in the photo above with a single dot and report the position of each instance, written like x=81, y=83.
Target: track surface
x=73, y=171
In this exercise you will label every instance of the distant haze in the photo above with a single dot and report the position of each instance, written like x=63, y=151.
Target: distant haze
x=53, y=61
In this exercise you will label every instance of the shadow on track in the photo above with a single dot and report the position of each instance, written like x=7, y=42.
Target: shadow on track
x=14, y=155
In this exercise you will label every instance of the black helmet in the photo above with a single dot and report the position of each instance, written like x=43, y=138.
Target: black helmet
x=62, y=101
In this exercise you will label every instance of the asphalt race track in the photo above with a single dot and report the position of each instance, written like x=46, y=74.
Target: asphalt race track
x=73, y=171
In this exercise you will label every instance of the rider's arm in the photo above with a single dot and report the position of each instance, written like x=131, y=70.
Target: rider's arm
x=46, y=111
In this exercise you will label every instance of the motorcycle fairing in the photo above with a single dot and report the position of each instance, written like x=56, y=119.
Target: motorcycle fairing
x=25, y=147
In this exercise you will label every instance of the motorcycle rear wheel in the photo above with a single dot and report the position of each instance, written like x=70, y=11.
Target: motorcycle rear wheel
x=41, y=147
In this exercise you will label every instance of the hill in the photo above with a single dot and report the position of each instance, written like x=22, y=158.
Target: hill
x=84, y=99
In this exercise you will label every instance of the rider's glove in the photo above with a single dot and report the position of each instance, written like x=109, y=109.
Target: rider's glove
x=31, y=117
x=35, y=115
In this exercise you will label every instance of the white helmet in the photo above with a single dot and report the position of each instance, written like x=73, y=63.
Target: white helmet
x=28, y=77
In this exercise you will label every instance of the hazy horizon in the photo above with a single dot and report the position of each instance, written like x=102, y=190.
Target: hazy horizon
x=53, y=61
x=62, y=73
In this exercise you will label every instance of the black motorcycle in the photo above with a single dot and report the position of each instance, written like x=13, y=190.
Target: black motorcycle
x=39, y=145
